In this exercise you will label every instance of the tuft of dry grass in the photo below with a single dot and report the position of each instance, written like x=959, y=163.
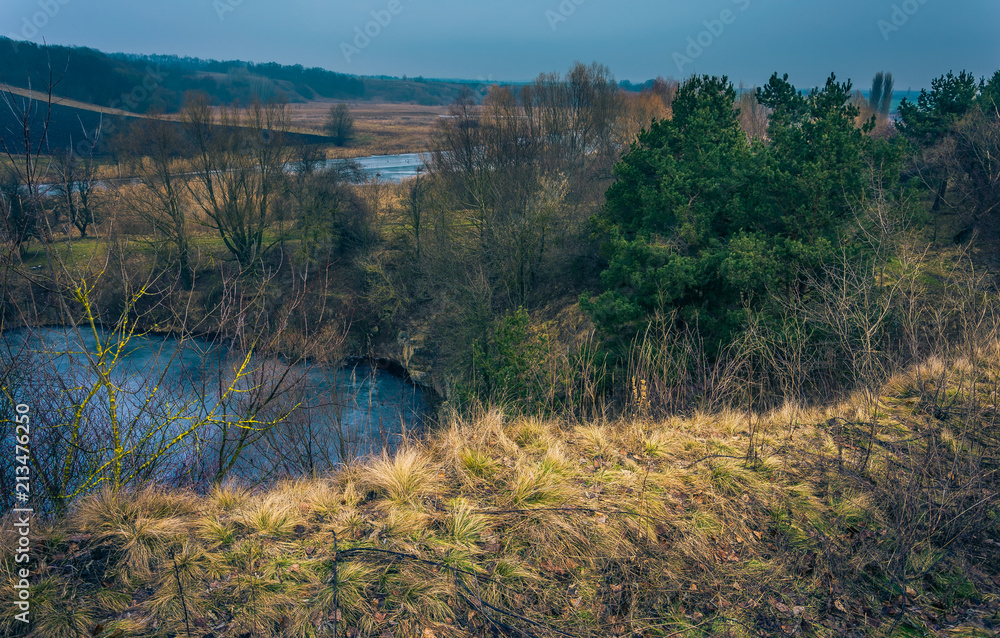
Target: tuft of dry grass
x=404, y=478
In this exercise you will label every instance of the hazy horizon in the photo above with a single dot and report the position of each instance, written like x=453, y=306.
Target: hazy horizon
x=747, y=40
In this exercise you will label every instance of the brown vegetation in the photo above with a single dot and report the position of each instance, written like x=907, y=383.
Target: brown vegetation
x=638, y=526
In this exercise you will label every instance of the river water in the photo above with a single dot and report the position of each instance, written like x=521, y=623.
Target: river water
x=392, y=168
x=328, y=415
x=389, y=168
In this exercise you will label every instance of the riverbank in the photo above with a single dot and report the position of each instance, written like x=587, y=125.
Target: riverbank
x=633, y=527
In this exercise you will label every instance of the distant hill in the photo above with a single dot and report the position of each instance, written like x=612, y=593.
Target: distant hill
x=72, y=124
x=140, y=83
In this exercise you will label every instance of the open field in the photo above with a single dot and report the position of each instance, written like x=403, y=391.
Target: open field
x=381, y=128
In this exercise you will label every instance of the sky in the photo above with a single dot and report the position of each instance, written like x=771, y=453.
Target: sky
x=515, y=40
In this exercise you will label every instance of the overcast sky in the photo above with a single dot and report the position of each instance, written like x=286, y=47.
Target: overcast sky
x=516, y=39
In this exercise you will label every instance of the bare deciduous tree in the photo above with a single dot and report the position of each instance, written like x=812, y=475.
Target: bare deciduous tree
x=23, y=147
x=238, y=161
x=340, y=124
x=151, y=150
x=77, y=182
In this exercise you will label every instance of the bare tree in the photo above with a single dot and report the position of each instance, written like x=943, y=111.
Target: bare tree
x=490, y=154
x=23, y=146
x=415, y=203
x=754, y=116
x=77, y=182
x=880, y=97
x=640, y=110
x=238, y=161
x=528, y=167
x=152, y=150
x=975, y=160
x=340, y=124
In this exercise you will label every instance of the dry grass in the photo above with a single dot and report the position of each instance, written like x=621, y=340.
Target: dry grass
x=639, y=527
x=380, y=129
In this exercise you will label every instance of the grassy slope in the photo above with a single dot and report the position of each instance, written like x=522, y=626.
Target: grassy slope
x=641, y=527
x=62, y=101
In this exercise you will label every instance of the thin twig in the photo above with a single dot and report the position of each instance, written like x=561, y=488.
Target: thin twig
x=180, y=588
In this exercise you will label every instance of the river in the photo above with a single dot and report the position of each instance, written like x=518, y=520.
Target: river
x=330, y=415
x=389, y=168
x=392, y=168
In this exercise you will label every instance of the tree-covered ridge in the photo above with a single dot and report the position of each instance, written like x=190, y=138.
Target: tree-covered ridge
x=160, y=82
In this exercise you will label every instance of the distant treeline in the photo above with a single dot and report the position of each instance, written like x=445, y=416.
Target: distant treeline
x=143, y=83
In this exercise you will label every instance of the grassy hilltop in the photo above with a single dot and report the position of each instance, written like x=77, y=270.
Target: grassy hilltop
x=714, y=525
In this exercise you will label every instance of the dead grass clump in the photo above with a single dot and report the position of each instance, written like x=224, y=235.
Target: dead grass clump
x=137, y=530
x=403, y=478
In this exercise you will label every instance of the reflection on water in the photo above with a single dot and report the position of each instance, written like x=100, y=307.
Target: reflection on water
x=166, y=385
